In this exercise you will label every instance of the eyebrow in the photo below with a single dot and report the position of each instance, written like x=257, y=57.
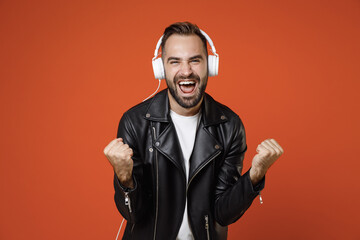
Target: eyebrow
x=192, y=58
x=196, y=56
x=172, y=58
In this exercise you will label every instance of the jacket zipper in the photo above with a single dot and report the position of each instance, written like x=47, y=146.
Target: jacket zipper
x=128, y=204
x=260, y=198
x=157, y=187
x=207, y=226
x=127, y=201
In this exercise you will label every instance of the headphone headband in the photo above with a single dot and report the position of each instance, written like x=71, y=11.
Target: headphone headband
x=208, y=39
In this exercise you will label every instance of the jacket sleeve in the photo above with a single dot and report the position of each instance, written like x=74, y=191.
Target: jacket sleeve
x=129, y=202
x=234, y=193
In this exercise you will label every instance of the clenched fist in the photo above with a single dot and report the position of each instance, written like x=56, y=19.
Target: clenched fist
x=267, y=153
x=119, y=156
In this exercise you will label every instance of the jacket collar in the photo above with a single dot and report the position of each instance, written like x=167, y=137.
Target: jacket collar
x=159, y=109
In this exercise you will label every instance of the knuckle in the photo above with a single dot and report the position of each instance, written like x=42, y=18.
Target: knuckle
x=277, y=152
x=267, y=152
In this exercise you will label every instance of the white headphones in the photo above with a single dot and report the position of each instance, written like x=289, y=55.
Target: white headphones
x=213, y=60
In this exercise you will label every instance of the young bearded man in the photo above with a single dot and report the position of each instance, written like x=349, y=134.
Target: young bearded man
x=178, y=157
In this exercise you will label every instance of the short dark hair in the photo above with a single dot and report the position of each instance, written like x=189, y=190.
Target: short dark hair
x=182, y=28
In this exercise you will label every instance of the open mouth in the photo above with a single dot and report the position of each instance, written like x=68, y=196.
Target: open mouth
x=187, y=86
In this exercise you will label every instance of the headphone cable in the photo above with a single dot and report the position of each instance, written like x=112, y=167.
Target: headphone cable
x=154, y=92
x=119, y=229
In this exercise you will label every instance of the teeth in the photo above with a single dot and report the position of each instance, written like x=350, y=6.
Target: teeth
x=186, y=83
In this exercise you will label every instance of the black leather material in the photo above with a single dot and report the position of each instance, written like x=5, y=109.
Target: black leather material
x=216, y=191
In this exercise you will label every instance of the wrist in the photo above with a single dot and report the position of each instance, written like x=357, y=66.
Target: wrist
x=128, y=183
x=126, y=180
x=256, y=174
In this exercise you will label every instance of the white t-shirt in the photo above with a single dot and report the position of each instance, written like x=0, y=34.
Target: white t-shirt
x=186, y=127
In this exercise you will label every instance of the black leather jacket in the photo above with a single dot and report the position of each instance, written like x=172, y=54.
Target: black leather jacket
x=217, y=193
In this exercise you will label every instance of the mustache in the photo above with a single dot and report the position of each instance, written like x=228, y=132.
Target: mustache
x=182, y=77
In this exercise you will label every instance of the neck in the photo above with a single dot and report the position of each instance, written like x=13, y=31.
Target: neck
x=181, y=110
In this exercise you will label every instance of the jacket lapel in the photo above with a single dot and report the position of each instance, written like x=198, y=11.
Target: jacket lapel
x=206, y=147
x=166, y=141
x=168, y=144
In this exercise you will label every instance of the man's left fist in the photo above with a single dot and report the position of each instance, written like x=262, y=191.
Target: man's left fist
x=267, y=153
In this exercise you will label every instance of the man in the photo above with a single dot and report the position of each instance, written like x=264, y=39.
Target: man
x=178, y=156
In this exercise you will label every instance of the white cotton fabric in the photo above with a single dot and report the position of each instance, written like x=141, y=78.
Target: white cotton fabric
x=186, y=127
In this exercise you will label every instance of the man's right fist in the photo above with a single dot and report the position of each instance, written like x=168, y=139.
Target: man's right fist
x=119, y=156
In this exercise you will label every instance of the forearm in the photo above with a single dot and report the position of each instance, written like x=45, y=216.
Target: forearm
x=232, y=204
x=129, y=201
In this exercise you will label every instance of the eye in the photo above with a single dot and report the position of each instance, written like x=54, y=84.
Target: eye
x=195, y=60
x=174, y=62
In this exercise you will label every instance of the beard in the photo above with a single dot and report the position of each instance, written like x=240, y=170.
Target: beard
x=187, y=102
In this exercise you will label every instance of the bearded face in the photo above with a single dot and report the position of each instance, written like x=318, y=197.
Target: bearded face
x=185, y=63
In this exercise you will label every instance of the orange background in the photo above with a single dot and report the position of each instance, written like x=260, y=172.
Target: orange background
x=69, y=69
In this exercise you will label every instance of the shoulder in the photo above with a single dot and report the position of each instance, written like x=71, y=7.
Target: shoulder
x=216, y=110
x=137, y=111
x=153, y=109
x=133, y=121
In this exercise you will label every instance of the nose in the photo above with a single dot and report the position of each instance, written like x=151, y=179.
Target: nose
x=185, y=69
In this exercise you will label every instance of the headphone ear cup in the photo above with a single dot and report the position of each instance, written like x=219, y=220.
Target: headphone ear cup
x=213, y=65
x=158, y=68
